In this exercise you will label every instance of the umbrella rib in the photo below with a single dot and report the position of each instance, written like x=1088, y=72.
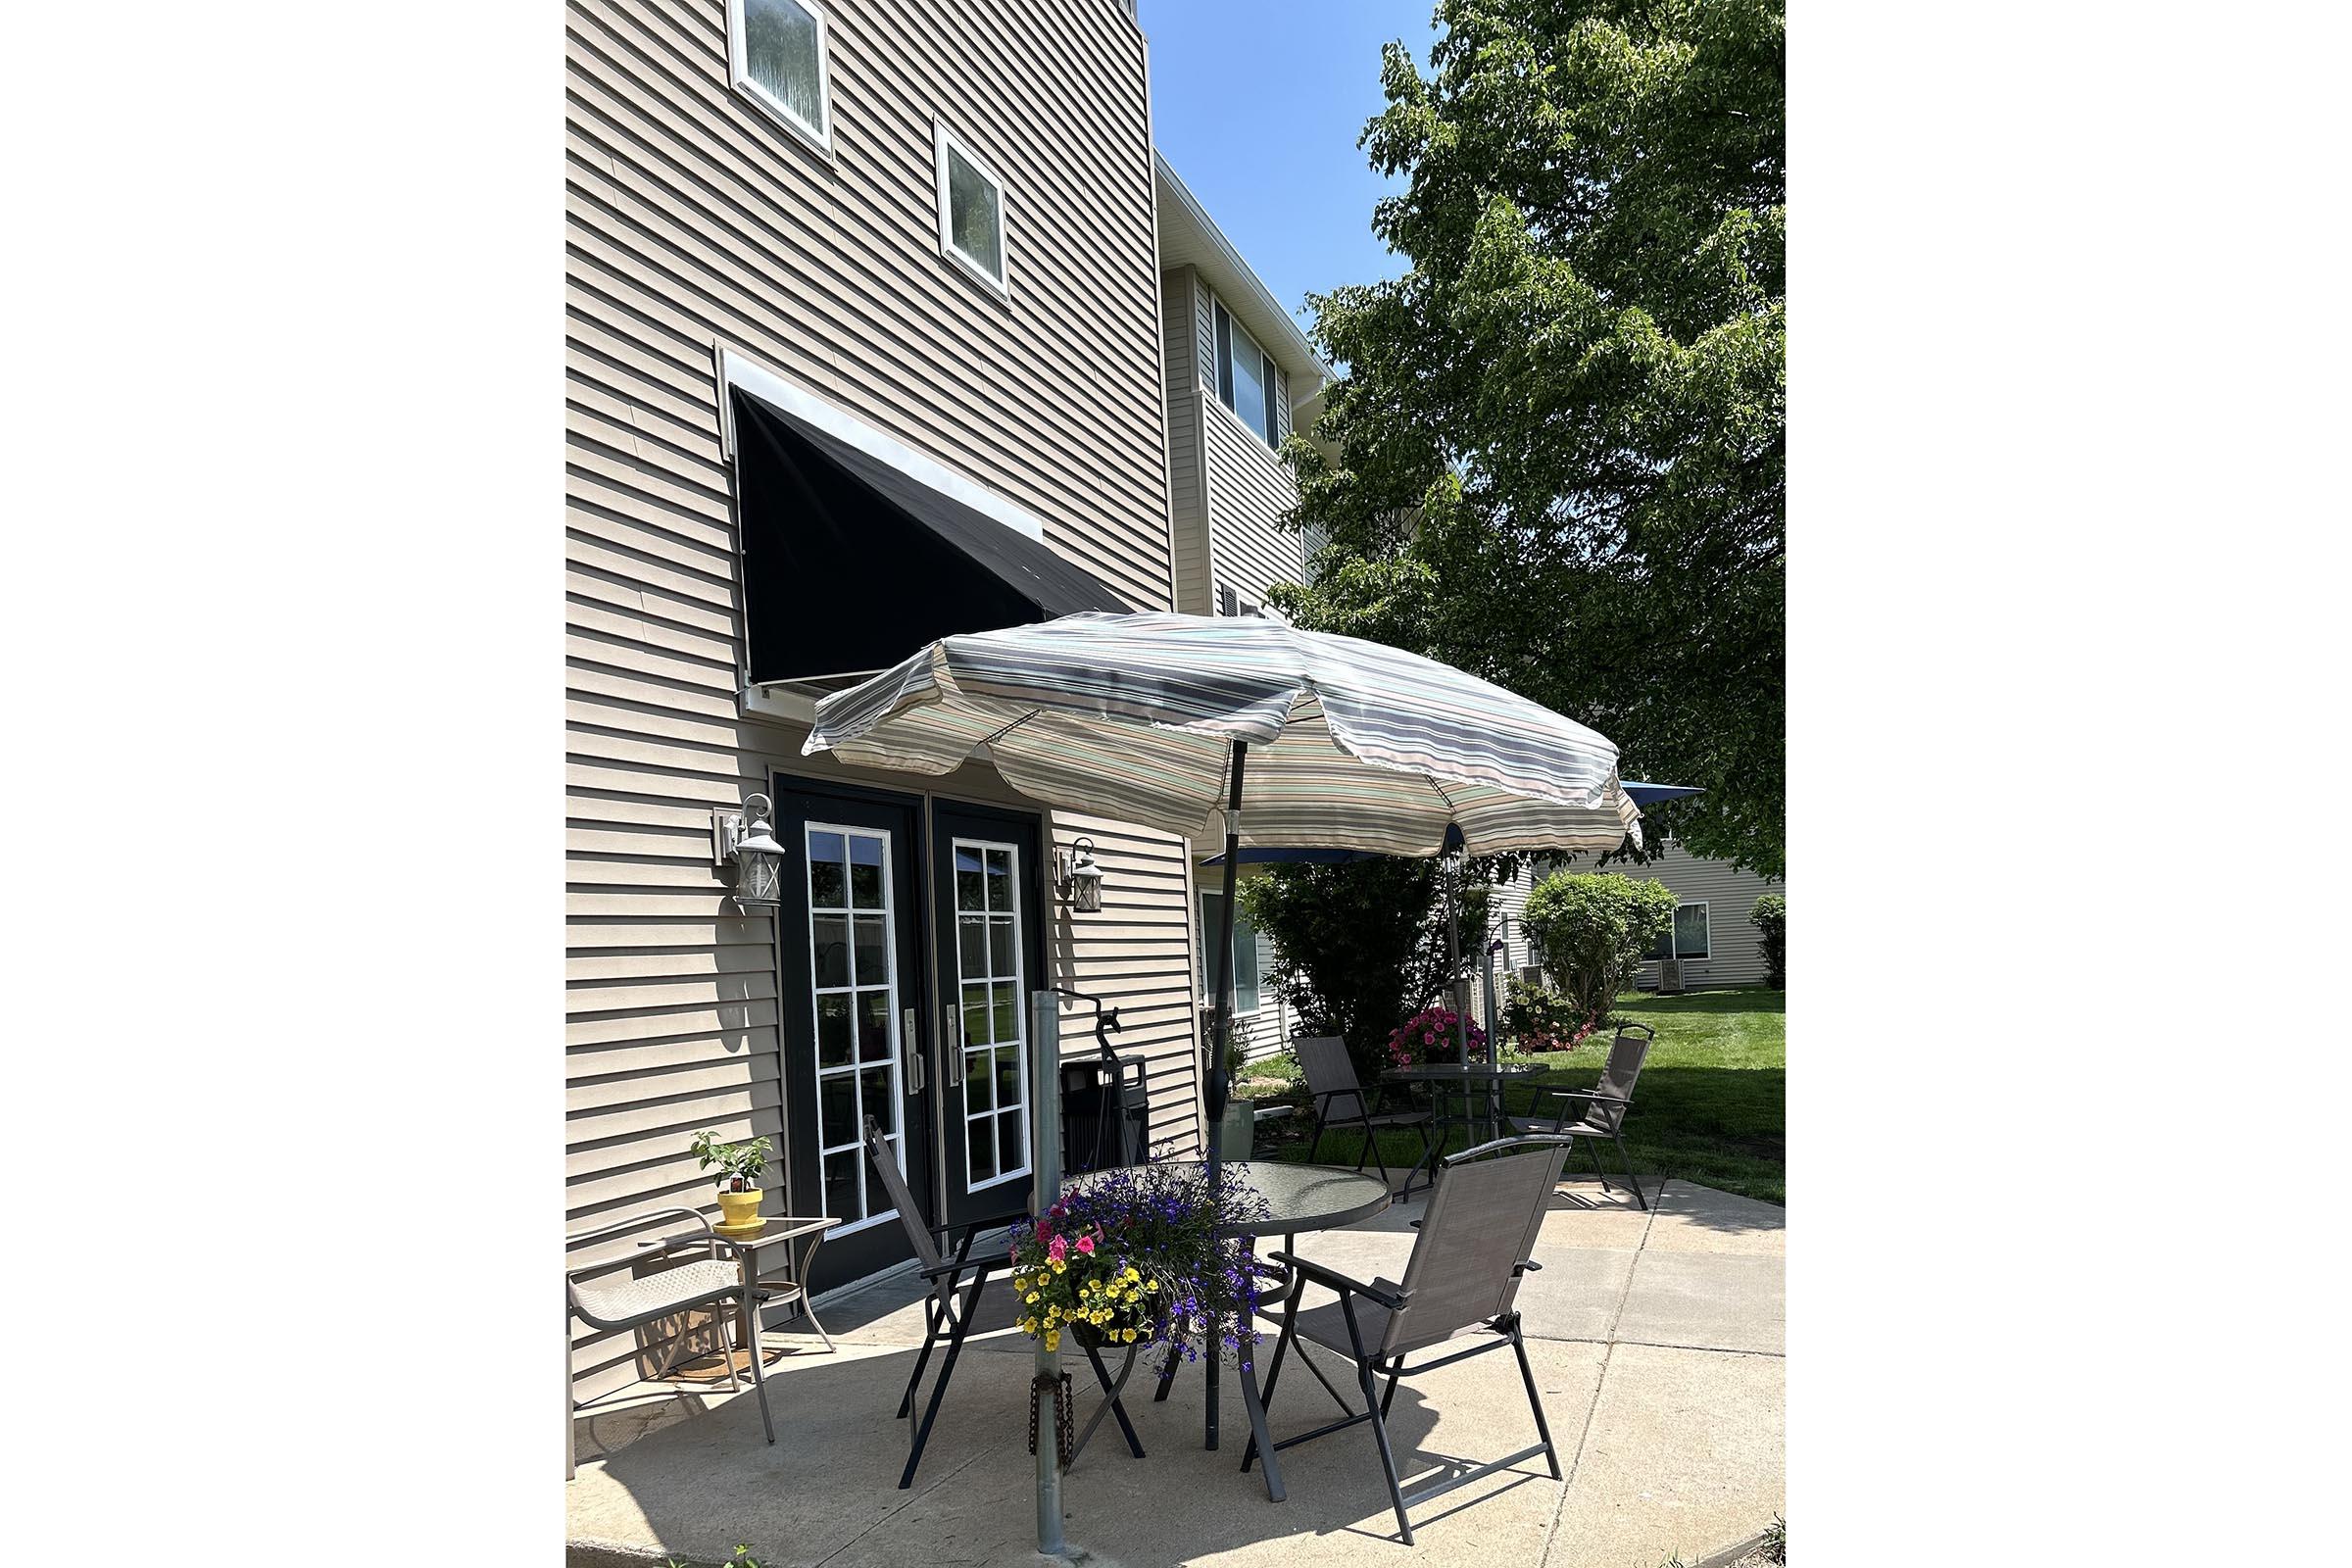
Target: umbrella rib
x=993, y=736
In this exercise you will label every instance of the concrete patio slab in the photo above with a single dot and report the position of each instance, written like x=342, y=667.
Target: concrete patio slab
x=1654, y=1366
x=1713, y=1300
x=1684, y=1455
x=1700, y=1219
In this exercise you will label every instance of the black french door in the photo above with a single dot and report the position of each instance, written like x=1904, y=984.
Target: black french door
x=854, y=1015
x=989, y=940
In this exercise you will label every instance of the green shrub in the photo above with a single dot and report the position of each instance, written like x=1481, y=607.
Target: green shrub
x=1540, y=1018
x=1592, y=930
x=1769, y=917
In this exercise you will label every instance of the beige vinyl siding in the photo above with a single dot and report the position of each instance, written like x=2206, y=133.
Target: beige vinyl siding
x=695, y=221
x=1188, y=495
x=1736, y=951
x=1249, y=489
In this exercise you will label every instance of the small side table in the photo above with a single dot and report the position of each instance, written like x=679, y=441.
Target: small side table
x=775, y=1271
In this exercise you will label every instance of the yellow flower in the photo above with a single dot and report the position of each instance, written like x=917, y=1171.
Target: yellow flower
x=1061, y=1267
x=1031, y=1297
x=1053, y=1339
x=1127, y=1336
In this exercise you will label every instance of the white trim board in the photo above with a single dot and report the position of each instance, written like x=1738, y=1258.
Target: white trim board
x=737, y=371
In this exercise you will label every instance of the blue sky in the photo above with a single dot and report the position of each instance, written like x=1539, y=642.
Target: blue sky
x=1258, y=106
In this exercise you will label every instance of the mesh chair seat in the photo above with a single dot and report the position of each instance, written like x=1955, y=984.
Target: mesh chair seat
x=1327, y=1325
x=620, y=1301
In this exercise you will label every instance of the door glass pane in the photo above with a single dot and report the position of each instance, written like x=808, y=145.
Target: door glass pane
x=832, y=1031
x=875, y=1096
x=865, y=872
x=780, y=52
x=840, y=1185
x=874, y=1026
x=827, y=873
x=976, y=1081
x=989, y=969
x=829, y=948
x=874, y=965
x=837, y=1108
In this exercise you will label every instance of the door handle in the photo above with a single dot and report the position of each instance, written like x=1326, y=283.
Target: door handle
x=912, y=1051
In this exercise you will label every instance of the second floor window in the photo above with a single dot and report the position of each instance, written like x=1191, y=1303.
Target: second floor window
x=972, y=211
x=1244, y=375
x=777, y=51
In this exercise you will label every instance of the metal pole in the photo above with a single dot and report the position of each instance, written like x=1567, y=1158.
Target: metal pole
x=1045, y=1162
x=1456, y=993
x=1219, y=1081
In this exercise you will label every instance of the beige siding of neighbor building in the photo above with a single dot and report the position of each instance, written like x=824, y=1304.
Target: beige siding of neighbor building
x=1734, y=947
x=695, y=221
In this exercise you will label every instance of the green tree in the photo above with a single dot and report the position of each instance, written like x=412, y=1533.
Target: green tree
x=1578, y=388
x=1769, y=917
x=1362, y=946
x=1592, y=929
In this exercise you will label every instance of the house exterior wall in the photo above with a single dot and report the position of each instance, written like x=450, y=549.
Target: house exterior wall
x=696, y=222
x=1736, y=949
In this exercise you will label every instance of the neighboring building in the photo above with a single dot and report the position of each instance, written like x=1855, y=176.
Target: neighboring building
x=863, y=348
x=1716, y=945
x=1237, y=367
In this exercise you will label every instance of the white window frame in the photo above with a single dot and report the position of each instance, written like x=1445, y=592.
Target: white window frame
x=1267, y=373
x=1706, y=918
x=896, y=1136
x=1020, y=977
x=1207, y=940
x=739, y=69
x=942, y=138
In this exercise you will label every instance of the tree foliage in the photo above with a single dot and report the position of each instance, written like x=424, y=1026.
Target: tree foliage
x=1578, y=388
x=1592, y=929
x=1361, y=946
x=1769, y=917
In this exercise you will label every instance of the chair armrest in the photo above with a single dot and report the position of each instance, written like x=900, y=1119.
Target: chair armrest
x=1337, y=1281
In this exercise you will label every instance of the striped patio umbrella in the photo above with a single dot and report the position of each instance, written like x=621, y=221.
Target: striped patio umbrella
x=1246, y=729
x=1243, y=728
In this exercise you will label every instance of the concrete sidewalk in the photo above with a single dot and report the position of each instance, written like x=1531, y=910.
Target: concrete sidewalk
x=1655, y=1339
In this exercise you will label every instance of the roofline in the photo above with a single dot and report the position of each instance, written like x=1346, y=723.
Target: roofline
x=1199, y=215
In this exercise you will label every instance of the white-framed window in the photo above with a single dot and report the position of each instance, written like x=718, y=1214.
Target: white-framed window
x=971, y=212
x=776, y=52
x=1208, y=973
x=990, y=999
x=1689, y=936
x=1246, y=374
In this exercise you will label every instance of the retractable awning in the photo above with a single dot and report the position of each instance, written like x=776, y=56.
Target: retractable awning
x=850, y=565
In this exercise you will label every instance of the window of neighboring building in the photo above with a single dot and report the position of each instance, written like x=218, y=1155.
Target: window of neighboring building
x=1689, y=938
x=971, y=212
x=777, y=51
x=1244, y=941
x=1246, y=376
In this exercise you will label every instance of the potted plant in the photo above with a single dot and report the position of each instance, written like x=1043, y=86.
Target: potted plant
x=740, y=1166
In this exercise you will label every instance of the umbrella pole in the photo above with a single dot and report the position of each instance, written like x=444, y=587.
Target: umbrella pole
x=1219, y=1078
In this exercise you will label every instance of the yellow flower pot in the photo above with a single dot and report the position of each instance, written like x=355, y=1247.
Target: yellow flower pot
x=742, y=1209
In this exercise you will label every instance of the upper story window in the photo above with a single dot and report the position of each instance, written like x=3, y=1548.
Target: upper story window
x=1244, y=375
x=971, y=212
x=777, y=49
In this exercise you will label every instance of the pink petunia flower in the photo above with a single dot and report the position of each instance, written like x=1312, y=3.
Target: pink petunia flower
x=1058, y=1249
x=1086, y=1245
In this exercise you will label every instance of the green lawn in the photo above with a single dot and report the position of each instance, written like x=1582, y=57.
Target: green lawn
x=1709, y=1108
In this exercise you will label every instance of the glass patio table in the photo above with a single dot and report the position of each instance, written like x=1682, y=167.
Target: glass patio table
x=1451, y=1085
x=1299, y=1198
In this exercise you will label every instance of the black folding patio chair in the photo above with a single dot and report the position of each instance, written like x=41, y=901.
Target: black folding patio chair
x=950, y=1314
x=1341, y=1100
x=1604, y=1105
x=1477, y=1238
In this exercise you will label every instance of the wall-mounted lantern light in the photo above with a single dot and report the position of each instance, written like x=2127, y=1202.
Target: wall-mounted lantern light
x=746, y=840
x=1077, y=878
